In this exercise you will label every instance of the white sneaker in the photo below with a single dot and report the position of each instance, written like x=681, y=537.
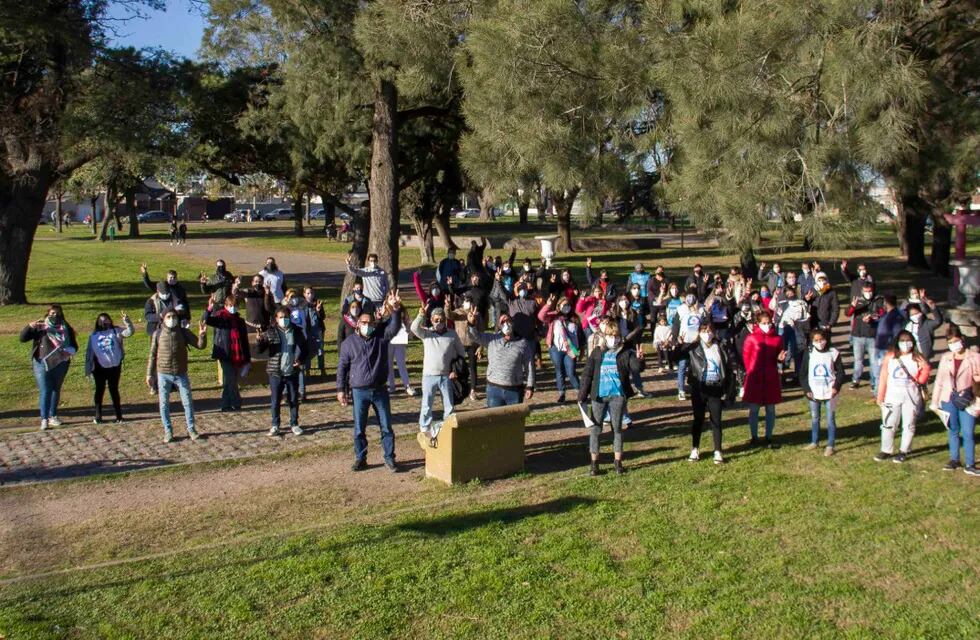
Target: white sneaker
x=168, y=438
x=718, y=458
x=273, y=432
x=681, y=395
x=44, y=425
x=694, y=457
x=423, y=430
x=53, y=421
x=410, y=391
x=297, y=430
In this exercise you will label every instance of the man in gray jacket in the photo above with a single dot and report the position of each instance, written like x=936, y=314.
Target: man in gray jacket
x=373, y=278
x=510, y=363
x=440, y=346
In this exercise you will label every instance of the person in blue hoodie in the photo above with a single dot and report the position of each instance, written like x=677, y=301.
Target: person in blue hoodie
x=362, y=373
x=639, y=277
x=889, y=324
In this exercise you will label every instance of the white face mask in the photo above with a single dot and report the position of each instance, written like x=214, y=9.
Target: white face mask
x=820, y=346
x=467, y=305
x=506, y=328
x=171, y=322
x=706, y=338
x=905, y=346
x=673, y=293
x=366, y=330
x=866, y=294
x=439, y=326
x=164, y=296
x=956, y=347
x=635, y=292
x=915, y=318
x=282, y=322
x=232, y=309
x=612, y=342
x=372, y=264
x=435, y=292
x=765, y=327
x=522, y=293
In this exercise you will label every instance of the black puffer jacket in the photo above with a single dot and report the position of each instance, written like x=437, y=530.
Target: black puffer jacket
x=626, y=364
x=272, y=342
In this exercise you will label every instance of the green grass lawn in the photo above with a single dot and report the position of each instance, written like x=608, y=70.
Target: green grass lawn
x=776, y=544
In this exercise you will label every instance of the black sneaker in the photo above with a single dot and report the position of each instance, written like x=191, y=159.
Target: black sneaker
x=881, y=456
x=754, y=442
x=359, y=465
x=855, y=385
x=971, y=471
x=390, y=463
x=772, y=445
x=618, y=465
x=594, y=469
x=952, y=465
x=97, y=421
x=900, y=458
x=561, y=398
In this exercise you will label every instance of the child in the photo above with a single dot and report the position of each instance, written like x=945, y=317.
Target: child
x=662, y=342
x=821, y=377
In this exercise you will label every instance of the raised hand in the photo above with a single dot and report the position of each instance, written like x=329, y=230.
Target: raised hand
x=342, y=398
x=471, y=317
x=350, y=259
x=202, y=327
x=143, y=268
x=843, y=263
x=588, y=262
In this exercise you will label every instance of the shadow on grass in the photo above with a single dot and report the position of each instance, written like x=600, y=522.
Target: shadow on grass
x=457, y=523
x=79, y=470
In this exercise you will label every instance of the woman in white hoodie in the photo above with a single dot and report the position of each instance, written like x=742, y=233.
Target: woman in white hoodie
x=103, y=360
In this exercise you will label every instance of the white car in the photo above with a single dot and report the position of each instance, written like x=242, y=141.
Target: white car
x=468, y=213
x=278, y=214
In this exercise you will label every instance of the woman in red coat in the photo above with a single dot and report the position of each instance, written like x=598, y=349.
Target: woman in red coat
x=762, y=353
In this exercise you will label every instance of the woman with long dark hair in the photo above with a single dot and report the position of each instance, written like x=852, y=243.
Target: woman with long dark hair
x=903, y=372
x=103, y=360
x=54, y=345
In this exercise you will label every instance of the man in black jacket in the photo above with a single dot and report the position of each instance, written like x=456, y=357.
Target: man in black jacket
x=176, y=289
x=230, y=348
x=288, y=352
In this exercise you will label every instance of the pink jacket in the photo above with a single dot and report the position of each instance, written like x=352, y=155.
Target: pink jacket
x=584, y=308
x=965, y=377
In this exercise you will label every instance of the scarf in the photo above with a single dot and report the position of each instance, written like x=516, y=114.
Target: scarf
x=235, y=341
x=56, y=333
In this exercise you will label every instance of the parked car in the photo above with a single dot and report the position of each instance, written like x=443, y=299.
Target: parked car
x=468, y=213
x=154, y=216
x=319, y=214
x=278, y=214
x=238, y=215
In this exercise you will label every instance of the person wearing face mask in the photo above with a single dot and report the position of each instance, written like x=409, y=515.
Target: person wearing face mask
x=510, y=362
x=53, y=346
x=440, y=347
x=711, y=378
x=229, y=346
x=922, y=325
x=460, y=317
x=762, y=353
x=299, y=314
x=176, y=289
x=258, y=303
x=672, y=302
x=362, y=371
x=609, y=291
x=220, y=284
x=772, y=279
x=103, y=360
x=591, y=309
x=158, y=304
x=857, y=280
x=639, y=277
x=655, y=286
x=432, y=298
x=807, y=282
x=449, y=267
x=687, y=324
x=631, y=324
x=826, y=308
x=357, y=295
x=638, y=302
x=347, y=326
x=954, y=398
x=606, y=383
x=720, y=307
x=287, y=351
x=397, y=352
x=864, y=312
x=522, y=308
x=821, y=378
x=373, y=278
x=565, y=340
x=274, y=279
x=168, y=364
x=315, y=316
x=903, y=373
x=792, y=316
x=698, y=282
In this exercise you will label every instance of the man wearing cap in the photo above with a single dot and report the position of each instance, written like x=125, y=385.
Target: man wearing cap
x=510, y=363
x=826, y=308
x=440, y=346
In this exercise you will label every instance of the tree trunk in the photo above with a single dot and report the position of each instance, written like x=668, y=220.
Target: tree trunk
x=915, y=230
x=541, y=202
x=423, y=229
x=329, y=214
x=563, y=201
x=486, y=202
x=21, y=207
x=58, y=213
x=361, y=226
x=298, y=213
x=134, y=221
x=900, y=225
x=441, y=224
x=94, y=217
x=522, y=207
x=750, y=269
x=383, y=187
x=110, y=213
x=942, y=239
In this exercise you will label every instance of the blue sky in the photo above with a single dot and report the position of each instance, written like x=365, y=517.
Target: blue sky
x=178, y=29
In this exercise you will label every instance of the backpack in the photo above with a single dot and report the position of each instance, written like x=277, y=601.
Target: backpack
x=461, y=383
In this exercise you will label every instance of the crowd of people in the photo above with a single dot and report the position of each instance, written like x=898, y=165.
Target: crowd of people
x=722, y=336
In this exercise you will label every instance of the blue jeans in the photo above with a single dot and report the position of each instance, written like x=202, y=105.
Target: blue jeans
x=564, y=369
x=792, y=347
x=49, y=387
x=364, y=399
x=231, y=398
x=501, y=397
x=876, y=359
x=277, y=385
x=681, y=373
x=754, y=420
x=831, y=408
x=961, y=426
x=166, y=381
x=430, y=385
x=860, y=347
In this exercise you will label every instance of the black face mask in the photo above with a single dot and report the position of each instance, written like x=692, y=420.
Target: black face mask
x=220, y=268
x=271, y=266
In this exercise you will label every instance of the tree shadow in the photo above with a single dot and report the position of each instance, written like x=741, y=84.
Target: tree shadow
x=458, y=523
x=79, y=469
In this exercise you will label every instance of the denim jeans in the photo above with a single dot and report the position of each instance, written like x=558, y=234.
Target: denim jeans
x=364, y=399
x=876, y=360
x=430, y=386
x=681, y=373
x=49, y=387
x=396, y=358
x=165, y=381
x=564, y=369
x=830, y=407
x=860, y=347
x=231, y=398
x=961, y=426
x=288, y=384
x=614, y=406
x=754, y=420
x=792, y=347
x=502, y=397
